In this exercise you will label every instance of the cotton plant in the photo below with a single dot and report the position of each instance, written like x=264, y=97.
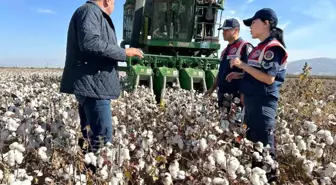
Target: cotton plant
x=184, y=139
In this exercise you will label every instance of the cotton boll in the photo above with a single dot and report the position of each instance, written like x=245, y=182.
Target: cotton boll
x=69, y=169
x=14, y=156
x=100, y=161
x=167, y=179
x=259, y=146
x=232, y=166
x=326, y=181
x=17, y=146
x=220, y=181
x=241, y=170
x=174, y=169
x=225, y=125
x=181, y=175
x=139, y=153
x=329, y=140
x=8, y=114
x=236, y=152
x=330, y=170
x=283, y=124
x=168, y=151
x=132, y=147
x=48, y=180
x=203, y=145
x=331, y=97
x=308, y=166
x=331, y=117
x=124, y=155
x=255, y=179
x=212, y=138
x=42, y=154
x=12, y=125
x=180, y=143
x=103, y=173
x=319, y=150
x=301, y=145
x=141, y=164
x=269, y=160
x=257, y=156
x=219, y=156
x=317, y=112
x=114, y=181
x=258, y=176
x=193, y=169
x=311, y=138
x=210, y=164
x=218, y=130
x=206, y=180
x=312, y=127
x=90, y=158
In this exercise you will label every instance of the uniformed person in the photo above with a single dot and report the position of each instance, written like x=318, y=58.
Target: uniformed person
x=228, y=79
x=264, y=73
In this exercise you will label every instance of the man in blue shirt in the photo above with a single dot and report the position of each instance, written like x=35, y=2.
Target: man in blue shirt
x=228, y=79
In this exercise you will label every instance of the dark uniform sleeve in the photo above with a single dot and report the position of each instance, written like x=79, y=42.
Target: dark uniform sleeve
x=246, y=50
x=89, y=41
x=272, y=60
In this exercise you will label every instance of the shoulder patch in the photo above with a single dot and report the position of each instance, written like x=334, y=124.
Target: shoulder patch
x=269, y=55
x=233, y=50
x=256, y=54
x=267, y=65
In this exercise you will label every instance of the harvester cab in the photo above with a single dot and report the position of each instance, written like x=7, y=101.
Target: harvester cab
x=178, y=40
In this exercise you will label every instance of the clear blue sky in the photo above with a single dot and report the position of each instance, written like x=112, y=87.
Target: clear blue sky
x=34, y=31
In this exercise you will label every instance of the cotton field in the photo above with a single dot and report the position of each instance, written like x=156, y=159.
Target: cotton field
x=183, y=140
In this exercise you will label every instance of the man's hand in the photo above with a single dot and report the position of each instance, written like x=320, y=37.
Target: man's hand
x=233, y=76
x=132, y=52
x=209, y=92
x=236, y=62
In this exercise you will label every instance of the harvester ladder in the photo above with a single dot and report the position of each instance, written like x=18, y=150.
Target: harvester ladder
x=201, y=23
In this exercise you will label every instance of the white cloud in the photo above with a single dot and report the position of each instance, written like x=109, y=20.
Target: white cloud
x=321, y=9
x=284, y=25
x=250, y=1
x=303, y=41
x=45, y=11
x=232, y=12
x=309, y=36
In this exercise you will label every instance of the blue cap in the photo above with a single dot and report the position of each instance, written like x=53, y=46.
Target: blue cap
x=229, y=24
x=265, y=14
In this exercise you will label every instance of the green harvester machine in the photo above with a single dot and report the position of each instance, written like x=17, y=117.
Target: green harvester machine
x=180, y=47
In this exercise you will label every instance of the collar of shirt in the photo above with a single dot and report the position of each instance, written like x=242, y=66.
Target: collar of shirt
x=266, y=40
x=96, y=5
x=239, y=39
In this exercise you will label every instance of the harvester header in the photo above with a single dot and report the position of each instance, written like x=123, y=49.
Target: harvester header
x=178, y=40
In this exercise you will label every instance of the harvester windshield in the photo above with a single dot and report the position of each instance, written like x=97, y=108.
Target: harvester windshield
x=171, y=19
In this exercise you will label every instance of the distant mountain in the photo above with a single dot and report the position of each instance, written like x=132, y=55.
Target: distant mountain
x=320, y=66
